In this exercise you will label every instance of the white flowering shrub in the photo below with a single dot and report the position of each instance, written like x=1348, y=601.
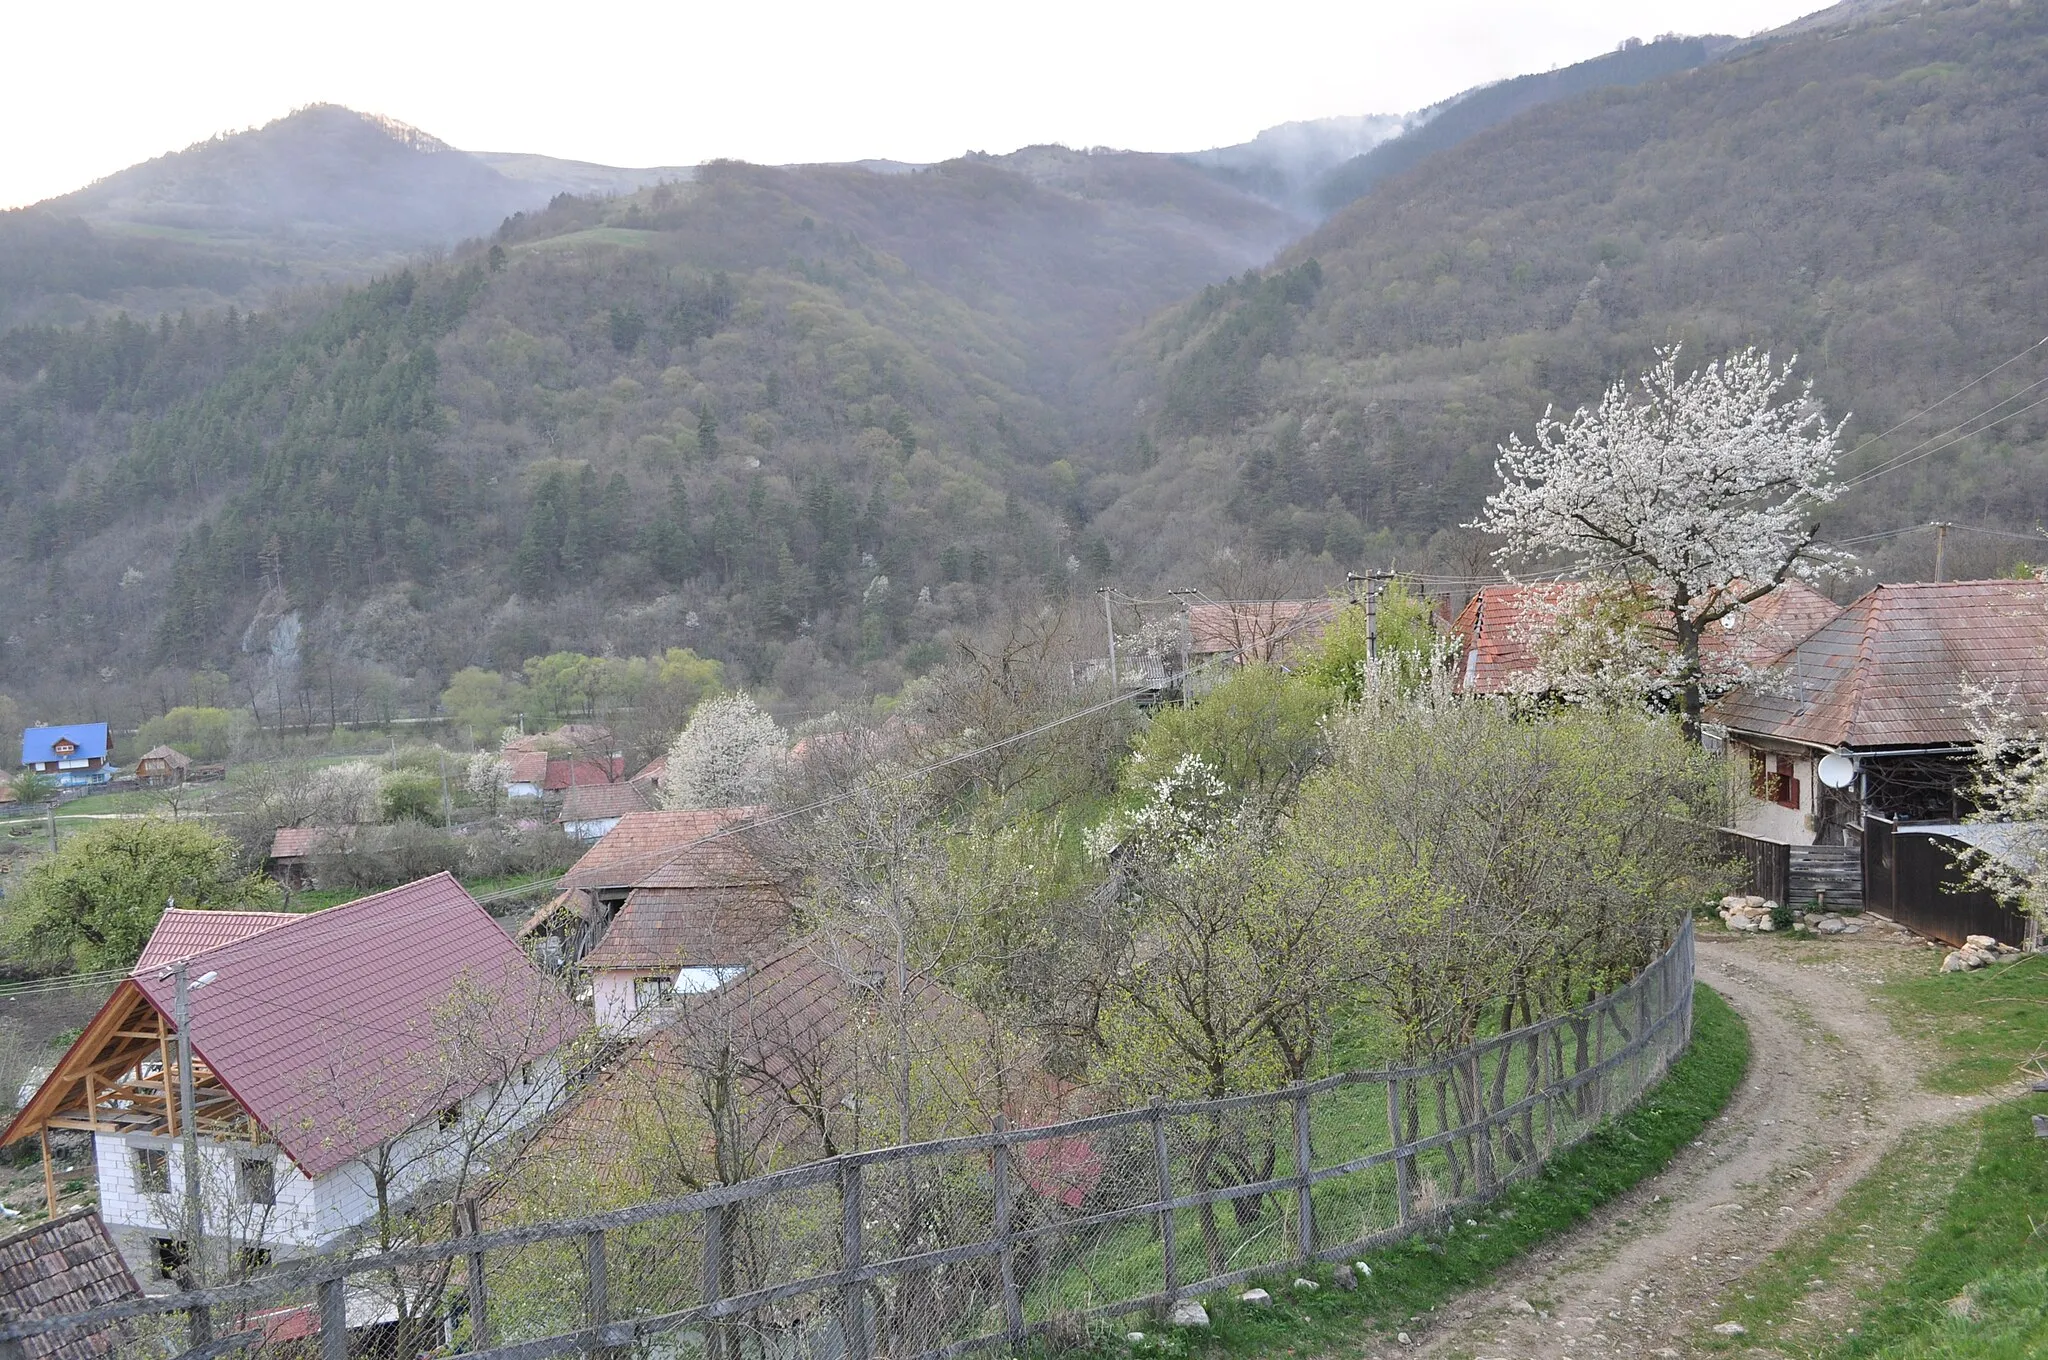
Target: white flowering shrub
x=2010, y=787
x=728, y=756
x=1181, y=808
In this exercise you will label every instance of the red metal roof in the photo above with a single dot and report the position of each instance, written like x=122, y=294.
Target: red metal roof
x=670, y=850
x=329, y=1029
x=594, y=802
x=669, y=928
x=1889, y=670
x=180, y=933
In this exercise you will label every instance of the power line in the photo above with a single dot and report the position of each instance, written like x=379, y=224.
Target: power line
x=1921, y=450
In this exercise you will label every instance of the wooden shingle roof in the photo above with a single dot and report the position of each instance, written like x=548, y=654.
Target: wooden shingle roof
x=672, y=850
x=665, y=929
x=66, y=1265
x=1890, y=670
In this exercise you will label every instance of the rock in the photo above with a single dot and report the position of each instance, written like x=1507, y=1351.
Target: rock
x=1255, y=1297
x=1730, y=1329
x=1187, y=1313
x=1135, y=1338
x=1401, y=1337
x=1306, y=1286
x=1765, y=923
x=1521, y=1306
x=1829, y=927
x=1956, y=963
x=1981, y=941
x=1851, y=929
x=1345, y=1278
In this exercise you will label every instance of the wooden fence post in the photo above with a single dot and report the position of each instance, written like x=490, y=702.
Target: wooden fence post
x=1164, y=1167
x=334, y=1319
x=479, y=1301
x=1304, y=1209
x=714, y=1279
x=1404, y=1164
x=598, y=1302
x=1481, y=1143
x=1013, y=1306
x=853, y=1322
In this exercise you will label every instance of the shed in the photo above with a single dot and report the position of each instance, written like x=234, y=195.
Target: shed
x=162, y=765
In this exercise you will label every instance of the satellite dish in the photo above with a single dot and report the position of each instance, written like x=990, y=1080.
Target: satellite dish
x=1837, y=770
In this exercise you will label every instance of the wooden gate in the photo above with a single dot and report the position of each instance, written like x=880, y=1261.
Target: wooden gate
x=1911, y=876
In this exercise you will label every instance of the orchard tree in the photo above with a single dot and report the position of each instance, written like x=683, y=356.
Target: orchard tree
x=728, y=756
x=1699, y=493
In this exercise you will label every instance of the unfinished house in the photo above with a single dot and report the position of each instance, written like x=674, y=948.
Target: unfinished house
x=365, y=1054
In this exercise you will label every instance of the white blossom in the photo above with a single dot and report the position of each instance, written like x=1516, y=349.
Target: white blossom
x=2011, y=787
x=1698, y=493
x=728, y=756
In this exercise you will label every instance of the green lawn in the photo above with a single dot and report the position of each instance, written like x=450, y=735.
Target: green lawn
x=1413, y=1278
x=334, y=897
x=1984, y=1025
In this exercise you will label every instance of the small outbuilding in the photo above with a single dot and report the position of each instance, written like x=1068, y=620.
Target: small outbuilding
x=162, y=765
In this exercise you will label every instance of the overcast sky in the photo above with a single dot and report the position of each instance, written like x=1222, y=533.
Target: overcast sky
x=90, y=88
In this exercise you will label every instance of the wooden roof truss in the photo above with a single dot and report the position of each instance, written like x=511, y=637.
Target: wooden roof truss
x=122, y=1077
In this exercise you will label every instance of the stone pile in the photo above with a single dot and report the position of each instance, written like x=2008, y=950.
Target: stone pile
x=1825, y=922
x=1749, y=912
x=1978, y=951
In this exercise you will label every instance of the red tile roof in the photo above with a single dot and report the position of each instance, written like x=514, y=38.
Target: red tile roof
x=297, y=842
x=670, y=928
x=1266, y=630
x=594, y=802
x=180, y=933
x=1889, y=670
x=324, y=1028
x=566, y=772
x=652, y=772
x=66, y=1265
x=525, y=767
x=670, y=850
x=1497, y=624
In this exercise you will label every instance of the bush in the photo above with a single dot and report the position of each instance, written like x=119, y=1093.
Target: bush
x=386, y=856
x=206, y=734
x=503, y=853
x=411, y=796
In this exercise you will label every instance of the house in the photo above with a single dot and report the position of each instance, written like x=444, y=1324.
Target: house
x=64, y=1265
x=590, y=810
x=291, y=854
x=76, y=755
x=340, y=1059
x=551, y=762
x=1256, y=630
x=1865, y=724
x=649, y=778
x=162, y=765
x=1498, y=626
x=665, y=902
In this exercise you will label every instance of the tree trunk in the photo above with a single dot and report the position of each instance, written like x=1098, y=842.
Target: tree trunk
x=1691, y=698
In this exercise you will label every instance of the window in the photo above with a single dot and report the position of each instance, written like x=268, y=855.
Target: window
x=170, y=1257
x=652, y=991
x=1771, y=780
x=451, y=1116
x=526, y=1074
x=258, y=1177
x=253, y=1259
x=153, y=1170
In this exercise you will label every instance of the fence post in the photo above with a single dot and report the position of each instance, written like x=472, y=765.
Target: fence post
x=1404, y=1165
x=1481, y=1144
x=1168, y=1254
x=714, y=1279
x=1013, y=1306
x=1304, y=1208
x=598, y=1303
x=479, y=1302
x=853, y=1320
x=334, y=1319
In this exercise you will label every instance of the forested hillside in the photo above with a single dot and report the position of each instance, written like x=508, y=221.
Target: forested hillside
x=1871, y=197
x=802, y=420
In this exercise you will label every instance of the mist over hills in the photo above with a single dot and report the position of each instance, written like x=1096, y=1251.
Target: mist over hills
x=814, y=420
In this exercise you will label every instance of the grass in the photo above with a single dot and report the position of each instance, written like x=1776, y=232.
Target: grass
x=334, y=897
x=1983, y=1025
x=1411, y=1279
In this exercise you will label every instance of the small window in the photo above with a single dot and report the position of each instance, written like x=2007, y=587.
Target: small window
x=652, y=991
x=153, y=1170
x=451, y=1116
x=253, y=1259
x=170, y=1257
x=1786, y=787
x=258, y=1176
x=526, y=1074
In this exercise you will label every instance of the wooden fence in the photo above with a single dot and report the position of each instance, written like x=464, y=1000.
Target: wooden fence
x=933, y=1250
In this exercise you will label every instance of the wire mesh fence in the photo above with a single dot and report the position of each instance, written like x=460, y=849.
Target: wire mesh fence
x=940, y=1248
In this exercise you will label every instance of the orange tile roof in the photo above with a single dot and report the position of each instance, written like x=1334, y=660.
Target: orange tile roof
x=1265, y=630
x=66, y=1265
x=180, y=933
x=670, y=928
x=594, y=802
x=670, y=850
x=1889, y=670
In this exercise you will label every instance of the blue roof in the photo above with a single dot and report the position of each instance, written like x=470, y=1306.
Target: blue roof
x=90, y=738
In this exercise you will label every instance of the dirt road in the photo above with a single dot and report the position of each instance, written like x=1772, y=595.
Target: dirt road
x=1830, y=1089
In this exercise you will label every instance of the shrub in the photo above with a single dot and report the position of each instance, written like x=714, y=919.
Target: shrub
x=411, y=795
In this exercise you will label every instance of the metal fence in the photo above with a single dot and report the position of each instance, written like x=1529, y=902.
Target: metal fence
x=936, y=1249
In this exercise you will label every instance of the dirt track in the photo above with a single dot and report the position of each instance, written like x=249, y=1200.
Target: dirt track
x=1830, y=1089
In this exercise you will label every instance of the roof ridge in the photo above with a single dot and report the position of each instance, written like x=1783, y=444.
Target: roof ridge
x=328, y=914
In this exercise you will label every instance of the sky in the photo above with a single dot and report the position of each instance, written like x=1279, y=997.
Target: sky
x=90, y=89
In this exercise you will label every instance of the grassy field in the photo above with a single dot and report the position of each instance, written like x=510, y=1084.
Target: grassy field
x=1410, y=1280
x=321, y=900
x=1983, y=1024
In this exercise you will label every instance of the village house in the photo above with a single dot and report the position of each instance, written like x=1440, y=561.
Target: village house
x=162, y=765
x=665, y=902
x=547, y=764
x=1859, y=750
x=590, y=810
x=1498, y=628
x=1256, y=630
x=327, y=1072
x=75, y=755
x=66, y=1264
x=291, y=854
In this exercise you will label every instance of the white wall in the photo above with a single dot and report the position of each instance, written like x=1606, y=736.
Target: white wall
x=611, y=998
x=1768, y=821
x=588, y=829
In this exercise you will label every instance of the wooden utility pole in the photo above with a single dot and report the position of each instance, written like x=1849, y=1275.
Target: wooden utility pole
x=188, y=1126
x=1941, y=528
x=1109, y=628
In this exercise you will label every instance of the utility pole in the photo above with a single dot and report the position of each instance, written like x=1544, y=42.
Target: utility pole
x=50, y=812
x=188, y=1128
x=1109, y=628
x=1941, y=528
